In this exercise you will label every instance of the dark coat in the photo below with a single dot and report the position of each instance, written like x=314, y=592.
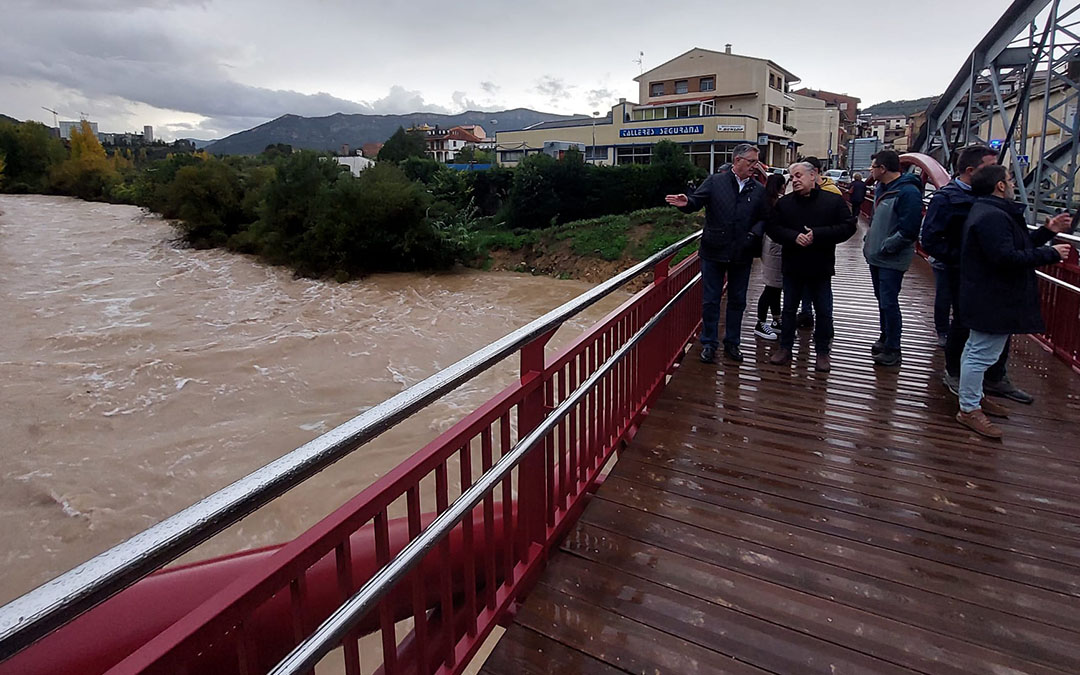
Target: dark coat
x=858, y=193
x=734, y=221
x=830, y=219
x=943, y=224
x=998, y=288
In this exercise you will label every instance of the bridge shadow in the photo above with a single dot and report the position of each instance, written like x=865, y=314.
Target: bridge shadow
x=770, y=519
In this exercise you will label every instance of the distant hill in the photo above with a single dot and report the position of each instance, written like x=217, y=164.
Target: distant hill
x=199, y=145
x=329, y=133
x=891, y=108
x=5, y=118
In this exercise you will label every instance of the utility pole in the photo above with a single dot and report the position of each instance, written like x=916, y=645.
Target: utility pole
x=640, y=61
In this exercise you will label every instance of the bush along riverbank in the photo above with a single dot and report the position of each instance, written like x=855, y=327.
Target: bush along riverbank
x=304, y=210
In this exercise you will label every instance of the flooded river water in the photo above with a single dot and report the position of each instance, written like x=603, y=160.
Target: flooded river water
x=139, y=376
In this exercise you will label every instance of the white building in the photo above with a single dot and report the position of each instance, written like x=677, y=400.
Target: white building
x=66, y=127
x=356, y=164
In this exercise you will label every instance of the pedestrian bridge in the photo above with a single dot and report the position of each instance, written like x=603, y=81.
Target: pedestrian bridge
x=779, y=520
x=623, y=507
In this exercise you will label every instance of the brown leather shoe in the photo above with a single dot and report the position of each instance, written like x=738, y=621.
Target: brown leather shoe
x=977, y=421
x=993, y=409
x=781, y=357
x=823, y=364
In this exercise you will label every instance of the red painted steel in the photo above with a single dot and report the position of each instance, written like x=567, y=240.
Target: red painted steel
x=470, y=582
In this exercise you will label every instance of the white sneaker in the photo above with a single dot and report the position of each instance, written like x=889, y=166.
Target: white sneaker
x=765, y=331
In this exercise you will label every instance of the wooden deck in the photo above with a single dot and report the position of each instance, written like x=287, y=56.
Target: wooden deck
x=778, y=520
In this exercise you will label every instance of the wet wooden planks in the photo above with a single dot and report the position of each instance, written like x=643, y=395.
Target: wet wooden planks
x=779, y=520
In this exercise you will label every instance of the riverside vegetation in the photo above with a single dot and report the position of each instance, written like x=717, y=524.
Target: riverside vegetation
x=303, y=210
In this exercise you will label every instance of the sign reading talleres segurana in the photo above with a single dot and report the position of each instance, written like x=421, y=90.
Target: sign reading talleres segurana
x=663, y=131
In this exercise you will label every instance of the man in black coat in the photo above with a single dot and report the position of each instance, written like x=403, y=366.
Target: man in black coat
x=942, y=230
x=735, y=208
x=809, y=223
x=999, y=293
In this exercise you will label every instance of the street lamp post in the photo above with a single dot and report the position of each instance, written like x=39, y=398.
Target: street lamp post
x=596, y=113
x=495, y=145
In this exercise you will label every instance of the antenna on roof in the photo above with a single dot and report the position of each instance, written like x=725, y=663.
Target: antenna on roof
x=640, y=61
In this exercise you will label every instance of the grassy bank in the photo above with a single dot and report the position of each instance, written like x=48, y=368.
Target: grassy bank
x=592, y=249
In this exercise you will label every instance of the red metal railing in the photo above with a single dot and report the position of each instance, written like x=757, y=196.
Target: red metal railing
x=469, y=582
x=1060, y=304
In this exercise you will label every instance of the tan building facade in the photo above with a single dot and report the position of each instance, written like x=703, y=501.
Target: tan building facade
x=706, y=101
x=817, y=128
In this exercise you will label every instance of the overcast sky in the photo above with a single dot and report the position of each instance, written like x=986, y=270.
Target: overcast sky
x=208, y=68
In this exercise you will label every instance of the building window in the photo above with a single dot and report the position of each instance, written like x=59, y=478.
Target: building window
x=510, y=156
x=633, y=154
x=682, y=86
x=843, y=106
x=774, y=114
x=597, y=154
x=708, y=84
x=656, y=89
x=776, y=81
x=708, y=108
x=682, y=111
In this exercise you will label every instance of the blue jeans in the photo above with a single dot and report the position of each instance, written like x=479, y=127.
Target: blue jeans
x=819, y=292
x=887, y=291
x=712, y=279
x=981, y=351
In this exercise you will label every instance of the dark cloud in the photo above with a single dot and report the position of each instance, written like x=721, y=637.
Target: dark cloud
x=554, y=88
x=133, y=61
x=600, y=97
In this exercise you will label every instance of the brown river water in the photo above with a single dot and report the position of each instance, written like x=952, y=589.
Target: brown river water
x=140, y=376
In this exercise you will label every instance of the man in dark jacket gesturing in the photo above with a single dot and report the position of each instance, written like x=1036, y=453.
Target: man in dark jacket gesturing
x=942, y=230
x=890, y=245
x=809, y=223
x=999, y=292
x=735, y=206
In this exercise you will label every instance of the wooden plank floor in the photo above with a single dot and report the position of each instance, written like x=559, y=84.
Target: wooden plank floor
x=778, y=520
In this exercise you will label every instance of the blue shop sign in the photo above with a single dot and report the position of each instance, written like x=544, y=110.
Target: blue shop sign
x=663, y=131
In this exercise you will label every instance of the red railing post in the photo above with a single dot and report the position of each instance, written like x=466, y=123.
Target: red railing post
x=532, y=486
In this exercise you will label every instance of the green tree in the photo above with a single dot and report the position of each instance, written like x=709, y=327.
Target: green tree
x=208, y=198
x=402, y=145
x=3, y=163
x=30, y=151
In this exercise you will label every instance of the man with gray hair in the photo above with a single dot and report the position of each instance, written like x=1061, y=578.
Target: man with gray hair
x=735, y=209
x=809, y=222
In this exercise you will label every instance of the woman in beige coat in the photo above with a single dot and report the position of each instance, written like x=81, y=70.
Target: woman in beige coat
x=770, y=267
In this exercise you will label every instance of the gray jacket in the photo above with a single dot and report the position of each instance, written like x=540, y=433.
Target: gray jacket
x=890, y=243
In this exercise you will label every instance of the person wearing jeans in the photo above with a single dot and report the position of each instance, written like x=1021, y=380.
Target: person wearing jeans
x=734, y=223
x=999, y=293
x=942, y=232
x=712, y=279
x=889, y=247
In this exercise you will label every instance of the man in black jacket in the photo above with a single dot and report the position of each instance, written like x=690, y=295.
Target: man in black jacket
x=809, y=223
x=942, y=229
x=999, y=293
x=733, y=221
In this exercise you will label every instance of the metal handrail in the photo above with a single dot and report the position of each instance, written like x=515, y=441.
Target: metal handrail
x=1058, y=282
x=334, y=629
x=49, y=606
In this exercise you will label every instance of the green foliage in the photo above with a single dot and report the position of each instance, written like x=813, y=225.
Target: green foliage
x=402, y=145
x=604, y=238
x=470, y=154
x=422, y=169
x=546, y=191
x=30, y=151
x=208, y=198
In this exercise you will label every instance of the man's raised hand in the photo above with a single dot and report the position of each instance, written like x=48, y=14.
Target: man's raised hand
x=677, y=200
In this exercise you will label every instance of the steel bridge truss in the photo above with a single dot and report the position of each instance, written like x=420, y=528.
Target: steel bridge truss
x=1019, y=88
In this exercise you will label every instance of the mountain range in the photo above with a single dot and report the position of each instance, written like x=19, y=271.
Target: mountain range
x=331, y=132
x=892, y=108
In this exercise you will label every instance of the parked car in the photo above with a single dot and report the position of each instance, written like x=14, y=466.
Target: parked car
x=839, y=176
